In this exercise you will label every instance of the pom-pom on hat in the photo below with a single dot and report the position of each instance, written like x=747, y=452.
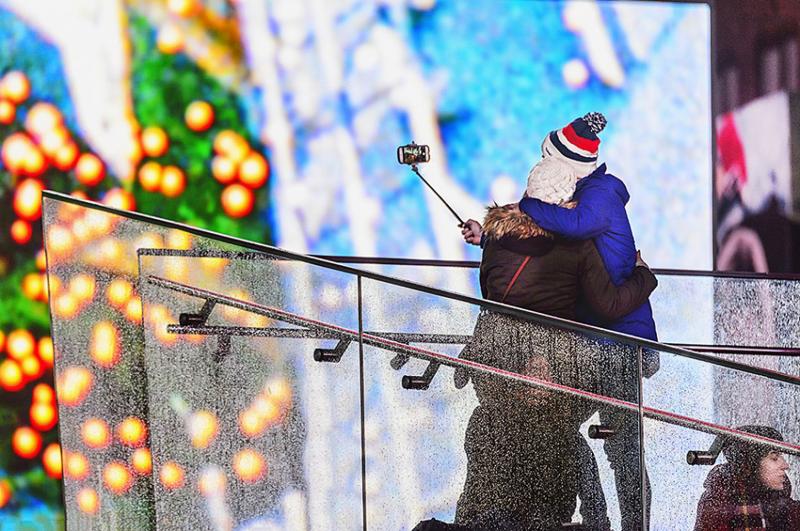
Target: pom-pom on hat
x=576, y=144
x=551, y=180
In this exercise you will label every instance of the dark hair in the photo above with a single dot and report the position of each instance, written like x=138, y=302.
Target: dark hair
x=745, y=455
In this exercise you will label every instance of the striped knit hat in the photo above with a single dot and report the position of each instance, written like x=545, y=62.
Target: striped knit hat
x=577, y=143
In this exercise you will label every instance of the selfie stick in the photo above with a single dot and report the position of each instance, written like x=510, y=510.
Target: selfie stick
x=460, y=221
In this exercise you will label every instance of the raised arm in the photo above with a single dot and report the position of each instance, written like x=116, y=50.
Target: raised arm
x=585, y=221
x=608, y=301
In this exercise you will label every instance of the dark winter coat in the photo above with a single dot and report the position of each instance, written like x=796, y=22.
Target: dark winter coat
x=524, y=452
x=732, y=503
x=601, y=216
x=558, y=273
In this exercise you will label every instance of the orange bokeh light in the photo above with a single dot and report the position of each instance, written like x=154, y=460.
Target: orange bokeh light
x=117, y=478
x=95, y=433
x=173, y=181
x=88, y=501
x=59, y=239
x=42, y=118
x=34, y=163
x=15, y=151
x=52, y=140
x=132, y=432
x=28, y=199
x=76, y=466
x=26, y=442
x=223, y=169
x=171, y=475
x=5, y=493
x=15, y=86
x=183, y=8
x=32, y=286
x=279, y=390
x=133, y=309
x=66, y=306
x=155, y=141
x=227, y=141
x=142, y=461
x=119, y=292
x=104, y=345
x=249, y=465
x=2, y=340
x=65, y=156
x=20, y=344
x=82, y=286
x=73, y=384
x=250, y=423
x=150, y=176
x=170, y=39
x=90, y=170
x=237, y=200
x=51, y=460
x=41, y=260
x=7, y=112
x=44, y=394
x=21, y=231
x=199, y=116
x=120, y=199
x=203, y=428
x=31, y=367
x=43, y=416
x=254, y=170
x=11, y=377
x=177, y=239
x=267, y=409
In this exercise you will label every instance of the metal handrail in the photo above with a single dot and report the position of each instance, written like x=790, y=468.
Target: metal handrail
x=529, y=315
x=338, y=332
x=250, y=255
x=472, y=264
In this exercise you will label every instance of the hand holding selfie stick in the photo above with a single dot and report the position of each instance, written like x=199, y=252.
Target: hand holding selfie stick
x=413, y=154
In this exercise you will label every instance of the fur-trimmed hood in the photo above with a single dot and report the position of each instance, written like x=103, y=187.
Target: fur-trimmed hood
x=503, y=221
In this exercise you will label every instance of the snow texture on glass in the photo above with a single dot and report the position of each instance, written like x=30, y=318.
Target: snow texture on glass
x=263, y=435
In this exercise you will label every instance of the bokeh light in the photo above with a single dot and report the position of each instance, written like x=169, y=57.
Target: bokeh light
x=51, y=460
x=172, y=475
x=249, y=465
x=95, y=434
x=132, y=432
x=26, y=442
x=117, y=478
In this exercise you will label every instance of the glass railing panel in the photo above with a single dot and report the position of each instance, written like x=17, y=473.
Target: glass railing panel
x=700, y=400
x=468, y=452
x=265, y=436
x=99, y=364
x=689, y=309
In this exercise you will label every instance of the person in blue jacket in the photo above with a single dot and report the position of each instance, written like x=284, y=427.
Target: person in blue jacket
x=600, y=215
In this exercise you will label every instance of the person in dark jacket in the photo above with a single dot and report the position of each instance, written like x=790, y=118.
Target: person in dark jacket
x=751, y=490
x=524, y=464
x=600, y=215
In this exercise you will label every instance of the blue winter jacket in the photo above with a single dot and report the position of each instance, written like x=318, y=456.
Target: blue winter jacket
x=600, y=214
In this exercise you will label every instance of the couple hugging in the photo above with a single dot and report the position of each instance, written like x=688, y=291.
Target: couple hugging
x=566, y=249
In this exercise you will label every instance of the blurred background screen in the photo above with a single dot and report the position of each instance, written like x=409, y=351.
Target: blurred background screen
x=278, y=121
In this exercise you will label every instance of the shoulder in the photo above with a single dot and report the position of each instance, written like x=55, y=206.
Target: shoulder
x=581, y=249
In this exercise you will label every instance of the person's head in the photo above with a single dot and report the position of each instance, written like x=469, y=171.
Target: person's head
x=757, y=461
x=551, y=180
x=576, y=144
